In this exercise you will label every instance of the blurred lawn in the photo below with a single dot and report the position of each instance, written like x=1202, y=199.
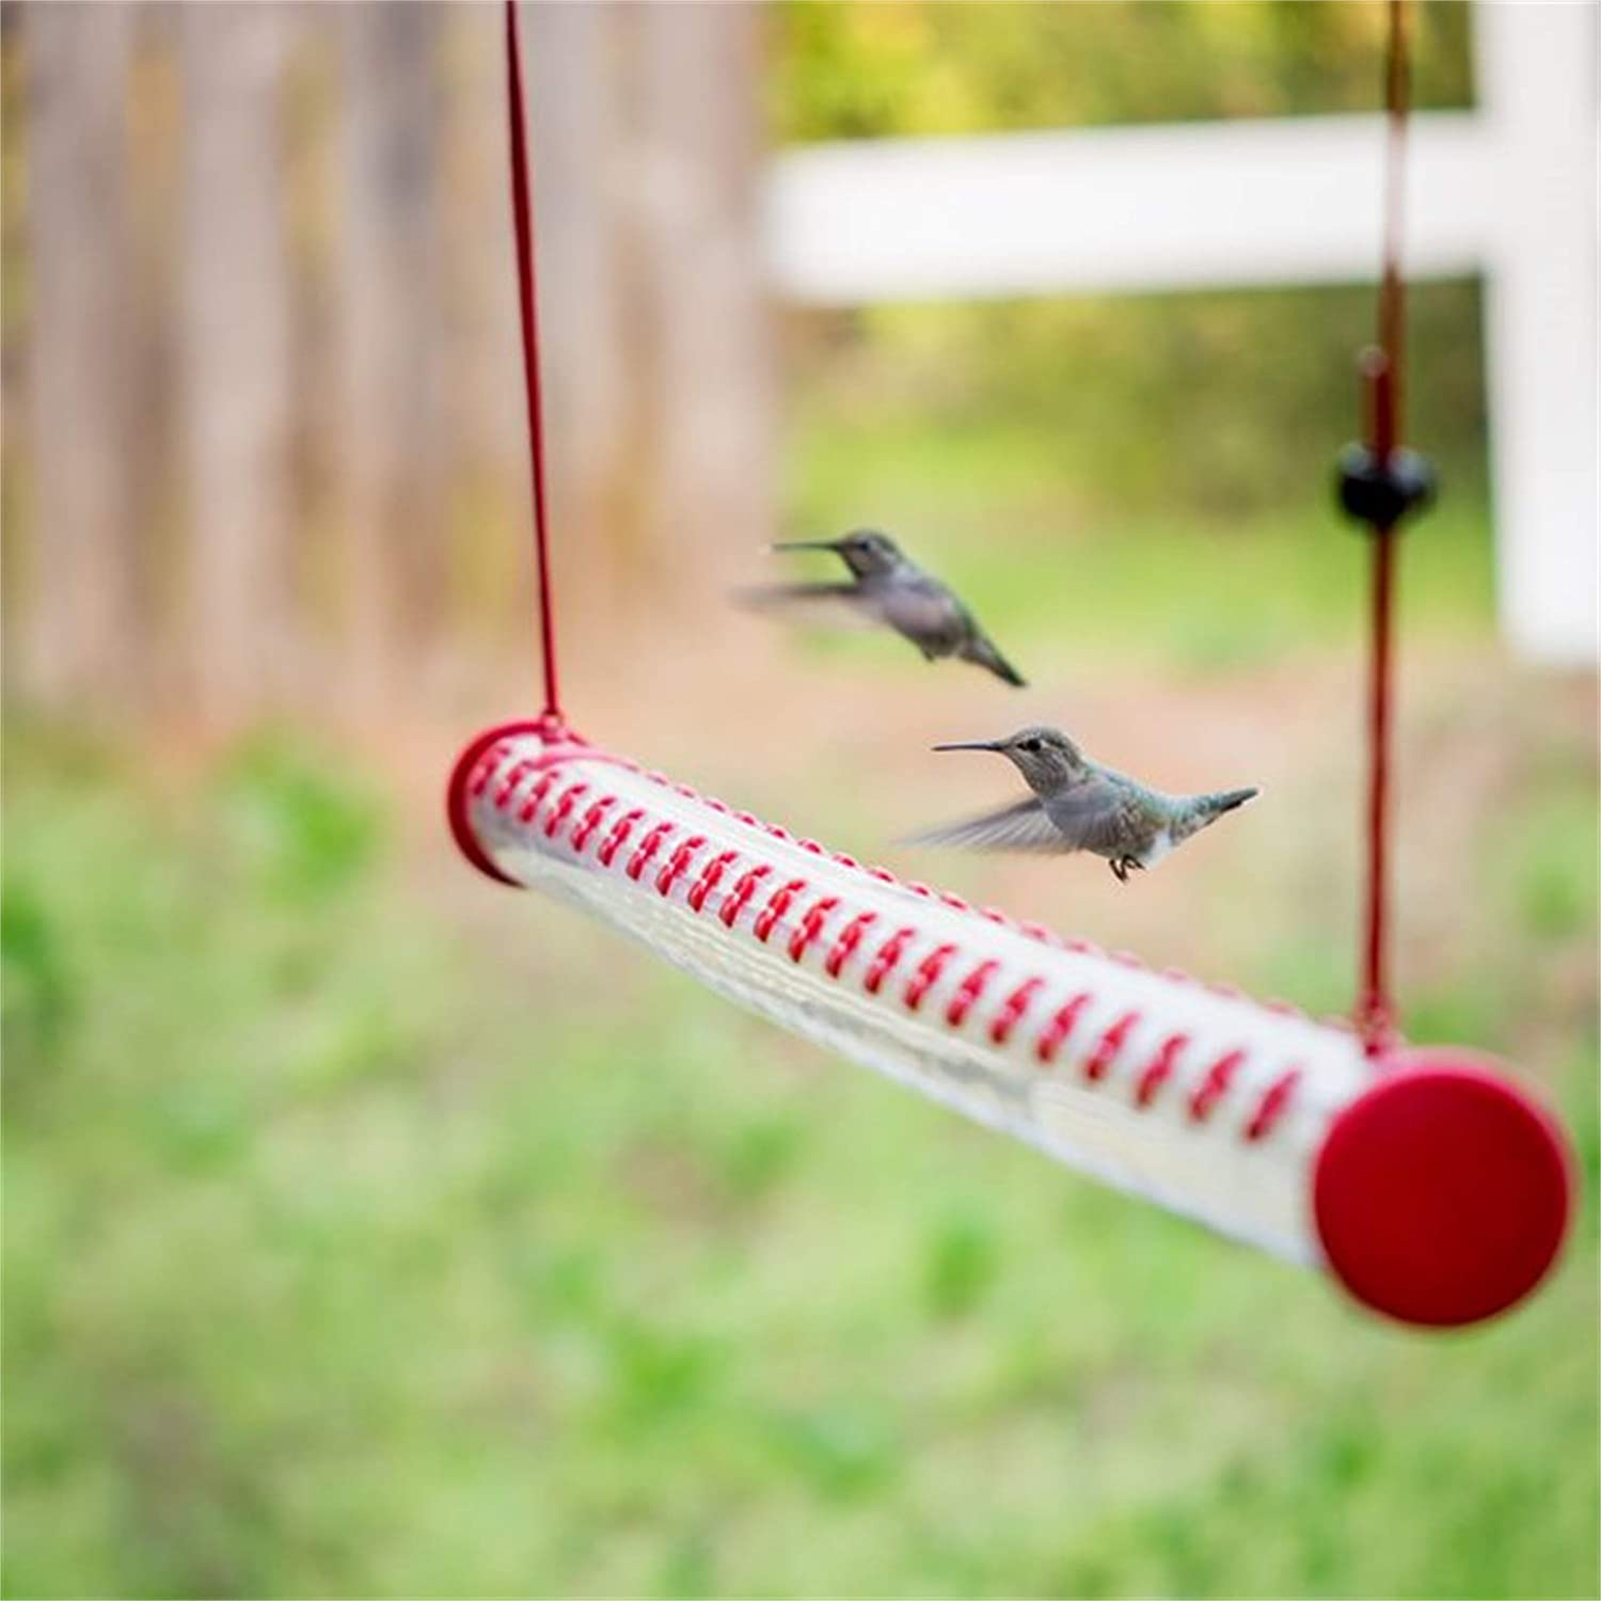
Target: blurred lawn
x=352, y=1248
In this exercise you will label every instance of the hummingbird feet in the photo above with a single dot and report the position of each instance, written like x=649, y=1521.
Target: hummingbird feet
x=1121, y=865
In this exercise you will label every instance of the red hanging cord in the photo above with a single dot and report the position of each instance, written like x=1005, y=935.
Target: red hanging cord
x=528, y=301
x=1382, y=369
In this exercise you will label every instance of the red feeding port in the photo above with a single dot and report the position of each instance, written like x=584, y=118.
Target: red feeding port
x=1443, y=1194
x=456, y=796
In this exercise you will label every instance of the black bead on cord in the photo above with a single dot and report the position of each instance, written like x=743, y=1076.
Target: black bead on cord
x=1384, y=493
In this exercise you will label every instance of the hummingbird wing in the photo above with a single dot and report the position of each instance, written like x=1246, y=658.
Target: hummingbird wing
x=1023, y=827
x=783, y=594
x=840, y=604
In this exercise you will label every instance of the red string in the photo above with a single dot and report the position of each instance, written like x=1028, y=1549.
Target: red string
x=528, y=300
x=1382, y=372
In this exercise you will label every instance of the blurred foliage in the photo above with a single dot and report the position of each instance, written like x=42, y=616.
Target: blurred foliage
x=1177, y=503
x=309, y=839
x=847, y=70
x=1227, y=405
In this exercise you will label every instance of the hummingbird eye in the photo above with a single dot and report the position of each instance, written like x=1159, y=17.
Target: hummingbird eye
x=1029, y=745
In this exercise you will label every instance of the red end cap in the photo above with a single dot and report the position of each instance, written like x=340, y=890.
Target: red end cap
x=1442, y=1195
x=456, y=797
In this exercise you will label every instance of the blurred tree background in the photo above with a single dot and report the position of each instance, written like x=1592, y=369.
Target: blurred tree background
x=861, y=72
x=351, y=1247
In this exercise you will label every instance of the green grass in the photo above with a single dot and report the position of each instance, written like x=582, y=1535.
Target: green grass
x=352, y=1248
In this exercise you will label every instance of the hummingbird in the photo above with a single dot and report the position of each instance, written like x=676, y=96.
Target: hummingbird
x=888, y=586
x=1078, y=805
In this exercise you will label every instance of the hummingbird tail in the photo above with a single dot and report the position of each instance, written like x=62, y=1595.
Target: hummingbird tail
x=984, y=654
x=1225, y=800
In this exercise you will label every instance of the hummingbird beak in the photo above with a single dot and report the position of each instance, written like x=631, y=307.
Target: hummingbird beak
x=807, y=544
x=971, y=744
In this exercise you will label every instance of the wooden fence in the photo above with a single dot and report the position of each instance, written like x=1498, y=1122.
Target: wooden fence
x=263, y=434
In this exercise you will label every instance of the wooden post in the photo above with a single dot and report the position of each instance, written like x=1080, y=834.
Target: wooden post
x=707, y=359
x=577, y=119
x=660, y=389
x=235, y=360
x=393, y=414
x=83, y=631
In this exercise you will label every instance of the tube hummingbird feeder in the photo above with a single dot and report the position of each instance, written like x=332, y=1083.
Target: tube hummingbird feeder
x=1429, y=1185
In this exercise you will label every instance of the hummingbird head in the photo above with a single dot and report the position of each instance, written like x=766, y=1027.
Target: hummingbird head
x=1045, y=757
x=864, y=550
